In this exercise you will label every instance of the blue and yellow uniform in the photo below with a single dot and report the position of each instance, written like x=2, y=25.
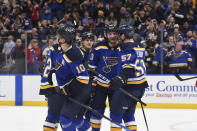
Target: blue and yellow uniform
x=132, y=70
x=55, y=101
x=104, y=60
x=73, y=78
x=180, y=62
x=46, y=86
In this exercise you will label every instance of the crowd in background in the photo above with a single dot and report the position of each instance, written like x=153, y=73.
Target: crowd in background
x=160, y=25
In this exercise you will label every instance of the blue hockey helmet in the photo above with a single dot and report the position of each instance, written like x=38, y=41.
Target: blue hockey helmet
x=67, y=33
x=110, y=28
x=136, y=38
x=127, y=30
x=88, y=35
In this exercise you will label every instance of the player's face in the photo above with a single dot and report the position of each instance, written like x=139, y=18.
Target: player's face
x=112, y=38
x=122, y=37
x=179, y=45
x=63, y=44
x=87, y=43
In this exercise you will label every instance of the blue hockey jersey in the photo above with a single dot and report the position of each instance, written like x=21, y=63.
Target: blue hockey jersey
x=105, y=60
x=180, y=59
x=132, y=56
x=67, y=66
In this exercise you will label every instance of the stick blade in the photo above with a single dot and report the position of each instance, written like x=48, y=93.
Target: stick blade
x=178, y=77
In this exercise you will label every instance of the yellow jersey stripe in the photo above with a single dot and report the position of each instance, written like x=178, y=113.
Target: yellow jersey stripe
x=93, y=84
x=95, y=125
x=115, y=129
x=66, y=58
x=136, y=48
x=128, y=66
x=133, y=128
x=190, y=60
x=48, y=129
x=102, y=84
x=177, y=65
x=52, y=48
x=137, y=82
x=101, y=47
x=83, y=81
x=46, y=87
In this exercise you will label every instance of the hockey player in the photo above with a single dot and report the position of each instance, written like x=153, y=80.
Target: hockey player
x=87, y=43
x=71, y=80
x=103, y=59
x=131, y=77
x=55, y=101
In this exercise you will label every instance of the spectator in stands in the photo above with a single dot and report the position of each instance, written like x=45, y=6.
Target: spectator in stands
x=190, y=45
x=158, y=11
x=26, y=23
x=185, y=28
x=53, y=28
x=33, y=46
x=8, y=47
x=100, y=23
x=111, y=19
x=46, y=13
x=35, y=9
x=127, y=20
x=45, y=49
x=177, y=34
x=22, y=37
x=18, y=57
x=170, y=24
x=44, y=31
x=56, y=7
x=159, y=59
x=177, y=13
x=179, y=60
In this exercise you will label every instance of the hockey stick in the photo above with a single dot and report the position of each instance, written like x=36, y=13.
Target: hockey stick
x=81, y=104
x=121, y=89
x=36, y=61
x=144, y=117
x=181, y=79
x=96, y=112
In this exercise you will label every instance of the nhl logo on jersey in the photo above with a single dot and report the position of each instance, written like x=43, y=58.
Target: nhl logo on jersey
x=109, y=61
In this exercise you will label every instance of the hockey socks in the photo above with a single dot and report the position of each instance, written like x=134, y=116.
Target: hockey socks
x=67, y=124
x=70, y=124
x=82, y=124
x=95, y=120
x=129, y=121
x=117, y=118
x=51, y=123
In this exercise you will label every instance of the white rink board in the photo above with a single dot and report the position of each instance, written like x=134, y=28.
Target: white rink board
x=167, y=89
x=31, y=87
x=7, y=88
x=163, y=89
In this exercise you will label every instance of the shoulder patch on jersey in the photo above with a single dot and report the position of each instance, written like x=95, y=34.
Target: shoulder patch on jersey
x=73, y=54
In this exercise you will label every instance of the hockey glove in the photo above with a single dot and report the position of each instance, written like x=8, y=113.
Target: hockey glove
x=57, y=88
x=61, y=91
x=117, y=82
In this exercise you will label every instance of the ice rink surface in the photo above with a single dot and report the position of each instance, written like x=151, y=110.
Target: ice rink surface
x=31, y=119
